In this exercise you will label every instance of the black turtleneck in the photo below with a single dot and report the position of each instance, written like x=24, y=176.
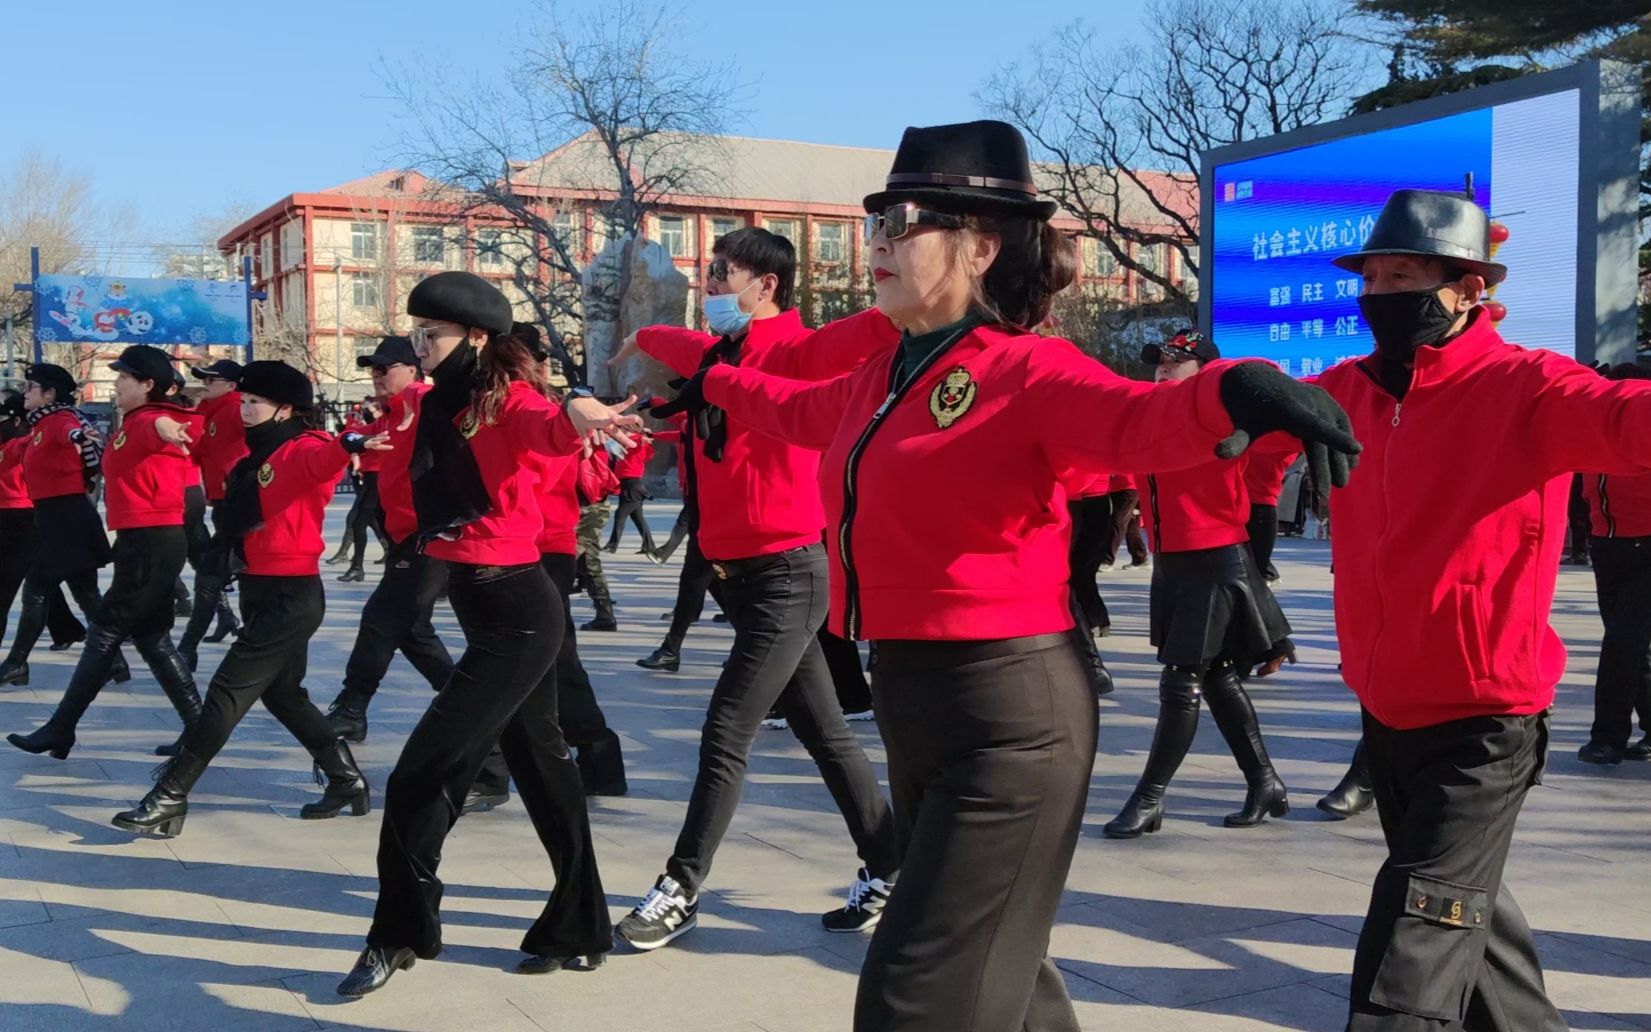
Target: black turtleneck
x=914, y=350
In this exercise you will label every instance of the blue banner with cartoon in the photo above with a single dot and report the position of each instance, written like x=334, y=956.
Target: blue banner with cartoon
x=128, y=310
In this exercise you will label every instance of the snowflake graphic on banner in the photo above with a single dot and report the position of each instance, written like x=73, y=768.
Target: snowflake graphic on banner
x=47, y=334
x=197, y=335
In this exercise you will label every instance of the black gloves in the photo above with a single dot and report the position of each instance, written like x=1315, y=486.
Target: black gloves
x=690, y=398
x=1260, y=398
x=353, y=442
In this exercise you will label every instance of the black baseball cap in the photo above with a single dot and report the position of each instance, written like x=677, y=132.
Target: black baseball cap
x=390, y=351
x=1185, y=346
x=223, y=369
x=145, y=363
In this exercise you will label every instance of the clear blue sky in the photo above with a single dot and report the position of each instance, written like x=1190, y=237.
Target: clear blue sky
x=182, y=108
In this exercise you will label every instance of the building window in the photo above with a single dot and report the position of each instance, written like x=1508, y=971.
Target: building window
x=266, y=266
x=1150, y=257
x=828, y=241
x=364, y=241
x=489, y=248
x=429, y=245
x=783, y=227
x=363, y=290
x=673, y=235
x=1098, y=262
x=565, y=228
x=722, y=227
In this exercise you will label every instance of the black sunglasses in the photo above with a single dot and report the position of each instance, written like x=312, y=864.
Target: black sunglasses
x=897, y=220
x=718, y=269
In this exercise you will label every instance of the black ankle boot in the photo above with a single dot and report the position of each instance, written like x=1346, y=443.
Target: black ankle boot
x=228, y=625
x=549, y=963
x=348, y=717
x=374, y=967
x=603, y=622
x=1235, y=716
x=175, y=680
x=1354, y=794
x=667, y=657
x=1178, y=700
x=162, y=811
x=14, y=671
x=346, y=785
x=354, y=573
x=119, y=671
x=1099, y=676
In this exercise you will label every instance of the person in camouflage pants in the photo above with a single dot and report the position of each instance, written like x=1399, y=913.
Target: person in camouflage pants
x=592, y=518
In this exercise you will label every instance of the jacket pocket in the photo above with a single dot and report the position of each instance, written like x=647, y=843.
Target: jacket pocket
x=1435, y=951
x=1473, y=632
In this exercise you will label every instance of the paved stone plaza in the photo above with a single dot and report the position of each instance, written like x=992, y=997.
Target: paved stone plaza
x=248, y=919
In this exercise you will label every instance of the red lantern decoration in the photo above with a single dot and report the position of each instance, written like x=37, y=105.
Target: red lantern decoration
x=1498, y=233
x=1496, y=310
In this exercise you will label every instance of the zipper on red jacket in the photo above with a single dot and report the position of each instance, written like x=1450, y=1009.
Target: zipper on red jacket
x=851, y=470
x=1605, y=509
x=1157, y=521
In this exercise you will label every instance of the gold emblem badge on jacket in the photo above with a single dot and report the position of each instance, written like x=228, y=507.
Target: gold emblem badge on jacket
x=266, y=475
x=952, y=397
x=469, y=424
x=120, y=440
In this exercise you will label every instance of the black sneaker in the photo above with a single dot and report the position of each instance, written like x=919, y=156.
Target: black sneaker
x=666, y=913
x=866, y=899
x=1600, y=753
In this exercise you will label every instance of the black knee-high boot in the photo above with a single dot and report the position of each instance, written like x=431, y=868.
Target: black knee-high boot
x=1178, y=695
x=1355, y=794
x=97, y=659
x=162, y=811
x=209, y=598
x=175, y=680
x=1230, y=706
x=30, y=623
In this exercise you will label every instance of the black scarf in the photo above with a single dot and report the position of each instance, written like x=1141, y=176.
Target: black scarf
x=242, y=510
x=710, y=424
x=448, y=490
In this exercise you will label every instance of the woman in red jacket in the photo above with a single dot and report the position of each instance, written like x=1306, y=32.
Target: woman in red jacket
x=483, y=431
x=270, y=536
x=982, y=698
x=145, y=470
x=61, y=466
x=217, y=448
x=1211, y=616
x=633, y=496
x=17, y=537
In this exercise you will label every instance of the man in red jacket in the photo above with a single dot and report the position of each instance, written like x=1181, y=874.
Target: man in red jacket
x=761, y=524
x=1450, y=653
x=1619, y=511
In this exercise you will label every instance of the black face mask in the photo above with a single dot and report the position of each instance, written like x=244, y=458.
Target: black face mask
x=262, y=434
x=1405, y=321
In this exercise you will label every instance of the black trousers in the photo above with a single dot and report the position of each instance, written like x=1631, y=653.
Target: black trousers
x=366, y=513
x=267, y=661
x=1444, y=947
x=1126, y=527
x=38, y=590
x=990, y=747
x=1622, y=578
x=196, y=533
x=584, y=726
x=17, y=545
x=1263, y=527
x=848, y=677
x=503, y=689
x=397, y=616
x=679, y=530
x=692, y=583
x=1092, y=543
x=1581, y=521
x=631, y=499
x=776, y=605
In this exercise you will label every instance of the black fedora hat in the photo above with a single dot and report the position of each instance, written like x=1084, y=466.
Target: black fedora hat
x=969, y=166
x=1431, y=224
x=390, y=351
x=223, y=369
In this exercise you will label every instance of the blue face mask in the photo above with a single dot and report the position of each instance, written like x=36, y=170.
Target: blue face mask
x=723, y=314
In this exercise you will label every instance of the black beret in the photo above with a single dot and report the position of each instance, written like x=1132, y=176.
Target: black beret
x=461, y=297
x=146, y=363
x=52, y=377
x=390, y=351
x=277, y=382
x=223, y=369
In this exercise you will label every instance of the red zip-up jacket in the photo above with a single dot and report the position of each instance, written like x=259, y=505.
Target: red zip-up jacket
x=678, y=436
x=368, y=461
x=294, y=487
x=144, y=477
x=596, y=481
x=1190, y=510
x=529, y=424
x=945, y=508
x=634, y=463
x=52, y=466
x=221, y=444
x=1121, y=482
x=1469, y=479
x=395, y=483
x=559, y=504
x=1264, y=474
x=764, y=496
x=1618, y=507
x=14, y=494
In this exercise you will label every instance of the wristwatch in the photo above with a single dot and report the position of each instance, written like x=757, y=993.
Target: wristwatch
x=580, y=392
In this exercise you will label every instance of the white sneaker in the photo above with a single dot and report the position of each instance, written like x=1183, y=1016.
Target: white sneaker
x=775, y=722
x=862, y=715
